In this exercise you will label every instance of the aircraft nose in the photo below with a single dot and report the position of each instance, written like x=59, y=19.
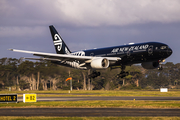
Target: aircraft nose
x=169, y=51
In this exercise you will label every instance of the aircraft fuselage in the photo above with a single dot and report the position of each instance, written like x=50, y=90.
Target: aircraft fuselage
x=149, y=54
x=131, y=53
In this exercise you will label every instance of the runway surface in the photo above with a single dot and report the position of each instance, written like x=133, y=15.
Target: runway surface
x=80, y=112
x=20, y=99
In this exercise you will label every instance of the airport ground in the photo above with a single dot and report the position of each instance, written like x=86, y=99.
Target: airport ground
x=131, y=104
x=50, y=93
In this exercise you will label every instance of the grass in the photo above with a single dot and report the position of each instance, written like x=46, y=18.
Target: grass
x=98, y=103
x=157, y=93
x=95, y=104
x=89, y=118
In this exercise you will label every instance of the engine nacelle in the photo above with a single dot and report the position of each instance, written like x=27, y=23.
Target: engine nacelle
x=100, y=63
x=150, y=65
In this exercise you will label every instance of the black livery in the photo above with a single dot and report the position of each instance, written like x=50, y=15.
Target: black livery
x=149, y=54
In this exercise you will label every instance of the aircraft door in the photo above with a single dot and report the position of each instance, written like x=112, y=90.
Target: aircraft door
x=150, y=50
x=92, y=54
x=128, y=53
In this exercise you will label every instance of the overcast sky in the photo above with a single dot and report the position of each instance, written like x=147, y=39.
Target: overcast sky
x=85, y=24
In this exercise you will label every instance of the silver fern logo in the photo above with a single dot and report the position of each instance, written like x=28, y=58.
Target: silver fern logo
x=57, y=42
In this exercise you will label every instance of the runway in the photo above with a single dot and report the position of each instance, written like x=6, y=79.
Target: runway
x=82, y=112
x=96, y=112
x=20, y=99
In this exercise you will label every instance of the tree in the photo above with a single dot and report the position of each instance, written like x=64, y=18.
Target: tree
x=26, y=68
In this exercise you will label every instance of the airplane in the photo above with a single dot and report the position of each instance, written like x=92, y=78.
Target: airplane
x=149, y=54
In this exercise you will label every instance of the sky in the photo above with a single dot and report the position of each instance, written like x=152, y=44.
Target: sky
x=86, y=24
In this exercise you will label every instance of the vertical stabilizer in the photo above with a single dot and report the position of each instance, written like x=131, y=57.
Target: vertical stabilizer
x=59, y=44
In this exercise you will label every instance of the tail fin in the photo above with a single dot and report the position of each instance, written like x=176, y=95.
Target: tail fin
x=59, y=44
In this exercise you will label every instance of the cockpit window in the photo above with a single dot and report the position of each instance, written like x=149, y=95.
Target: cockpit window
x=163, y=47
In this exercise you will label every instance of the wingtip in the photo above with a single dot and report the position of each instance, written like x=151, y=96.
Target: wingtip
x=10, y=49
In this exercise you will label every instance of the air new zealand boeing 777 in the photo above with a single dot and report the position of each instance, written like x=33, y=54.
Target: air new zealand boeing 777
x=149, y=54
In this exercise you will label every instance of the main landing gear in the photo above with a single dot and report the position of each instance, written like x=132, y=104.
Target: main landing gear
x=94, y=74
x=122, y=74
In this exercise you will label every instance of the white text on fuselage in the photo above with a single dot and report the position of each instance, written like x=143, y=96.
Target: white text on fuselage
x=131, y=48
x=79, y=53
x=74, y=64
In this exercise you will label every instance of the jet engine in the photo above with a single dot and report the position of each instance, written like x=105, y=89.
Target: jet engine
x=100, y=63
x=150, y=65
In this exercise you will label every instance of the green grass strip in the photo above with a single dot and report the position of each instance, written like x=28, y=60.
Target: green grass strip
x=174, y=93
x=89, y=118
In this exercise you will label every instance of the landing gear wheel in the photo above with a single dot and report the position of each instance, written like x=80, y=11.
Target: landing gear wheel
x=160, y=68
x=122, y=74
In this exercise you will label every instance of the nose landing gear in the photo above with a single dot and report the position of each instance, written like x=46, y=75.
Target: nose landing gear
x=160, y=65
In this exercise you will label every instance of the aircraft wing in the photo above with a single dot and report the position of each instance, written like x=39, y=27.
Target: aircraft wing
x=63, y=57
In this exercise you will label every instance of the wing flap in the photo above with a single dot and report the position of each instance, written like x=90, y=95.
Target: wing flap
x=42, y=59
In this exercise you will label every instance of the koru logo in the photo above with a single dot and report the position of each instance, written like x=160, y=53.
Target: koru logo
x=57, y=42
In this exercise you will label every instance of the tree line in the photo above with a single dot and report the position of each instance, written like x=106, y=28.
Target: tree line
x=44, y=75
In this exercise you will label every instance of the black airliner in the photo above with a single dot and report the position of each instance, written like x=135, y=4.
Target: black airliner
x=149, y=54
